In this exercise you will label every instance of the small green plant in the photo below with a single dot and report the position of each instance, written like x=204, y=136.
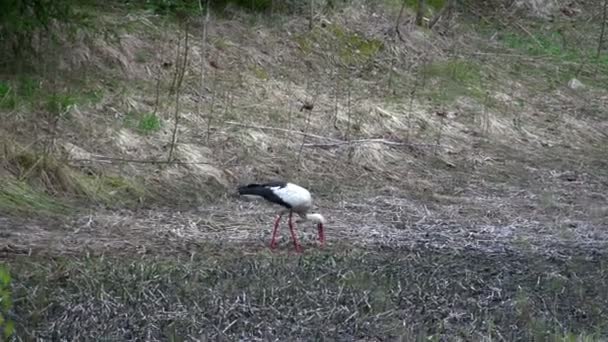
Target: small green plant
x=260, y=72
x=7, y=97
x=6, y=303
x=5, y=89
x=354, y=48
x=58, y=104
x=92, y=96
x=148, y=123
x=28, y=87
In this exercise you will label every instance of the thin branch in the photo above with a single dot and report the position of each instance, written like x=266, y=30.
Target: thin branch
x=113, y=160
x=377, y=140
x=234, y=123
x=399, y=21
x=304, y=137
x=601, y=40
x=205, y=21
x=312, y=12
x=180, y=71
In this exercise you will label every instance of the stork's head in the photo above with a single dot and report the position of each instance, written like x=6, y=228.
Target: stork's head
x=320, y=221
x=315, y=218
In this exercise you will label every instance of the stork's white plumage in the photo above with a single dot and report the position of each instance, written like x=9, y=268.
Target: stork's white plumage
x=294, y=199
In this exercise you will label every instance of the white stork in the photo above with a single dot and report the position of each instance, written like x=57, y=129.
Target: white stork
x=294, y=199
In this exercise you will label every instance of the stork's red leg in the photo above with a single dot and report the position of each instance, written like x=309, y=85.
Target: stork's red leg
x=293, y=235
x=321, y=234
x=273, y=243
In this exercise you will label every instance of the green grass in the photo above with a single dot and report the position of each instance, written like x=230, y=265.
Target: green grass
x=551, y=43
x=259, y=72
x=58, y=104
x=567, y=59
x=27, y=94
x=148, y=123
x=447, y=80
x=44, y=185
x=29, y=197
x=113, y=191
x=352, y=49
x=230, y=293
x=7, y=326
x=7, y=97
x=144, y=123
x=19, y=198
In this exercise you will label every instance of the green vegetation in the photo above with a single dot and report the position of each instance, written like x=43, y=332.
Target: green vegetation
x=434, y=4
x=352, y=48
x=148, y=123
x=260, y=72
x=43, y=185
x=7, y=326
x=22, y=22
x=19, y=198
x=23, y=197
x=144, y=123
x=569, y=59
x=7, y=99
x=192, y=7
x=447, y=80
x=27, y=93
x=59, y=103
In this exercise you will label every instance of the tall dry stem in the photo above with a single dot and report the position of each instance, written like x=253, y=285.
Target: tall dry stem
x=179, y=76
x=603, y=29
x=204, y=21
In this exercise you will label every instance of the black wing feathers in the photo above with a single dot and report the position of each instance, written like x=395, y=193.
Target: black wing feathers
x=263, y=190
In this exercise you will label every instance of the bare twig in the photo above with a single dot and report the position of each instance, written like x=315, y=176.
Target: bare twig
x=205, y=21
x=113, y=160
x=312, y=13
x=601, y=39
x=399, y=20
x=305, y=130
x=348, y=109
x=180, y=70
x=336, y=97
x=378, y=140
x=234, y=123
x=159, y=76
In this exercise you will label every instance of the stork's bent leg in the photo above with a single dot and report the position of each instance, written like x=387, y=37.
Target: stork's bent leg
x=293, y=234
x=273, y=242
